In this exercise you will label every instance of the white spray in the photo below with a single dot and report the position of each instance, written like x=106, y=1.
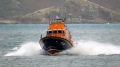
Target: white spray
x=26, y=49
x=94, y=48
x=81, y=48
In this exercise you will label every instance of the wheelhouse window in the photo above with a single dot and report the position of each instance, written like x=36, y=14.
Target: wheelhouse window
x=60, y=31
x=55, y=31
x=49, y=32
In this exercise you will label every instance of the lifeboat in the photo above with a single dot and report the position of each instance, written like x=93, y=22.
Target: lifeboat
x=57, y=38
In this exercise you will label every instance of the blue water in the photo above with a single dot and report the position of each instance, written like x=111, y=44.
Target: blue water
x=97, y=45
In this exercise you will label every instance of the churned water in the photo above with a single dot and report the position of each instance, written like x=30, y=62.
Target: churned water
x=96, y=45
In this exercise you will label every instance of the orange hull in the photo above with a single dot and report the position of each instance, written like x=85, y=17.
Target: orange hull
x=53, y=51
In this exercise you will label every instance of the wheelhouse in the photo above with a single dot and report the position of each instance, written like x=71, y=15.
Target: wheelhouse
x=55, y=32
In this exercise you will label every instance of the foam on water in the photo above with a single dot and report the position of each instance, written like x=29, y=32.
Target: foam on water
x=81, y=48
x=94, y=48
x=26, y=49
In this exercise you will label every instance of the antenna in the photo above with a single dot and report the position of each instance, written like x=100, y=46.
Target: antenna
x=65, y=10
x=49, y=19
x=48, y=14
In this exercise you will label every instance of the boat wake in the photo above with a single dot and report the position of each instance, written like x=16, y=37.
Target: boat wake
x=81, y=48
x=26, y=49
x=93, y=48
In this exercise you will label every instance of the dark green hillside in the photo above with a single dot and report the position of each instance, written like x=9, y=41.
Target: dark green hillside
x=77, y=11
x=16, y=8
x=110, y=4
x=9, y=8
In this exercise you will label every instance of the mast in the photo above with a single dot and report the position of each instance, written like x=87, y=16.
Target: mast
x=65, y=11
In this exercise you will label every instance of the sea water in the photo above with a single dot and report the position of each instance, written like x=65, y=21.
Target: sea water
x=96, y=45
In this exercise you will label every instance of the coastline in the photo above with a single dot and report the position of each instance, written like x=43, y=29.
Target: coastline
x=67, y=22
